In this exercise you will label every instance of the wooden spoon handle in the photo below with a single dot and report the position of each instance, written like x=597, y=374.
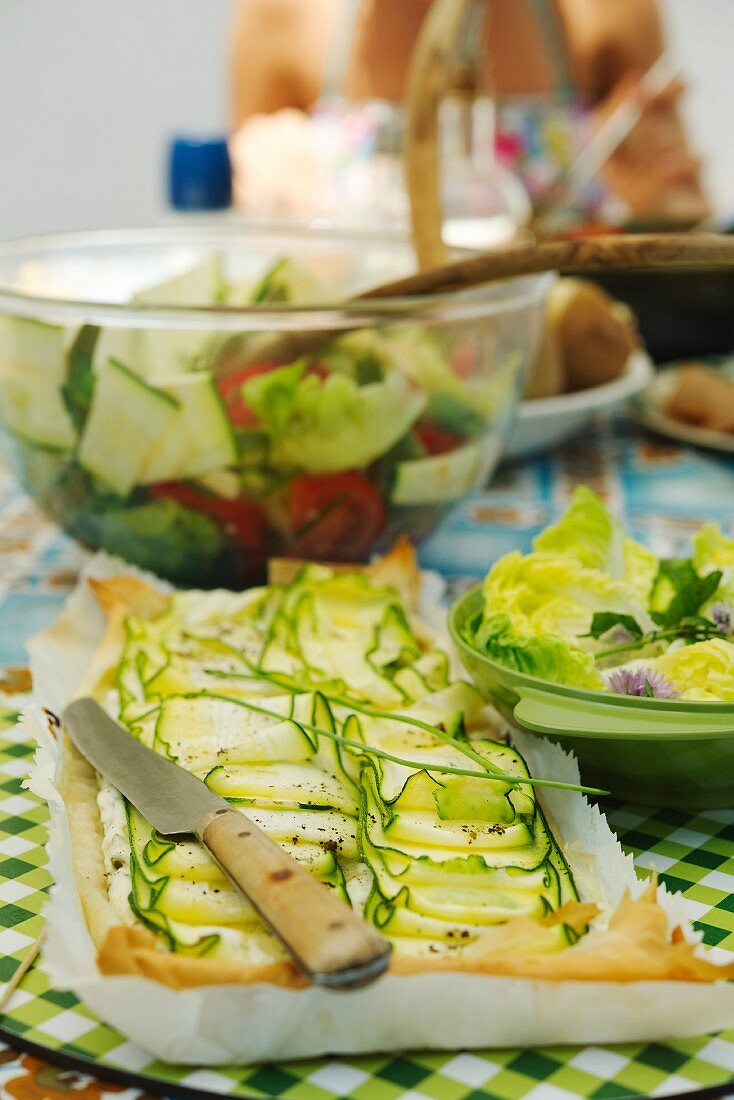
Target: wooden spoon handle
x=328, y=941
x=616, y=252
x=432, y=67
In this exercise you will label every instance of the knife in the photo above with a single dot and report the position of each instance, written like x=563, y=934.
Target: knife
x=327, y=940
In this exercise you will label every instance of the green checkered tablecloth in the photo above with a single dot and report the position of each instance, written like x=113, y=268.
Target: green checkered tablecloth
x=695, y=854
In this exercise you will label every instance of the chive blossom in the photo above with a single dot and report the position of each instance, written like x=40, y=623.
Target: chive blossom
x=642, y=682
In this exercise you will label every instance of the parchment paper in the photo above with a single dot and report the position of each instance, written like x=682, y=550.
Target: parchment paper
x=240, y=1024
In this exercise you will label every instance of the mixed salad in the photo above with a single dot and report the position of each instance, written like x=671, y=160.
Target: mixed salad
x=591, y=608
x=198, y=455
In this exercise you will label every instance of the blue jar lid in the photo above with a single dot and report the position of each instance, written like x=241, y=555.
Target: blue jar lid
x=199, y=174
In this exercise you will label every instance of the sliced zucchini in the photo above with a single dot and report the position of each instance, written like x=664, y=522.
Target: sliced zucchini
x=204, y=903
x=160, y=352
x=202, y=284
x=32, y=372
x=126, y=418
x=199, y=437
x=283, y=785
x=442, y=858
x=438, y=479
x=200, y=729
x=35, y=344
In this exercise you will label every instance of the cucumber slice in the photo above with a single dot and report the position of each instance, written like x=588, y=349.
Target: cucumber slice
x=199, y=285
x=32, y=372
x=126, y=418
x=289, y=281
x=121, y=344
x=38, y=469
x=438, y=479
x=31, y=407
x=161, y=352
x=198, y=439
x=35, y=344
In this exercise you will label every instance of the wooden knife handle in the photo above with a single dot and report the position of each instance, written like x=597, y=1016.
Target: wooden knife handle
x=329, y=942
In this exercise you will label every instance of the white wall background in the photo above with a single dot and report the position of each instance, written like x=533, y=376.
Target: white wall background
x=701, y=38
x=90, y=90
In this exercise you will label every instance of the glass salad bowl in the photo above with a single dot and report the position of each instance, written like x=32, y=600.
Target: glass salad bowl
x=199, y=400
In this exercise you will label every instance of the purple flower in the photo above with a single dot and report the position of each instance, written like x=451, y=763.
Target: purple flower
x=721, y=614
x=644, y=682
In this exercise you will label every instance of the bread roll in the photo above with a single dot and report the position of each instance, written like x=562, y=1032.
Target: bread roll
x=595, y=333
x=547, y=374
x=703, y=397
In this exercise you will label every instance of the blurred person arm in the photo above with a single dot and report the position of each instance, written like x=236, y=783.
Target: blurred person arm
x=279, y=49
x=612, y=44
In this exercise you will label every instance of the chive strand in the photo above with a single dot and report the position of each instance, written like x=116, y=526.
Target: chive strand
x=370, y=750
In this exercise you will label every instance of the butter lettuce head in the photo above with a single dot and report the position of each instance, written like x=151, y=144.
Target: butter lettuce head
x=703, y=671
x=589, y=533
x=538, y=612
x=543, y=594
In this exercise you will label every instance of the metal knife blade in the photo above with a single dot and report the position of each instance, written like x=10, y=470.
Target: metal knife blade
x=170, y=798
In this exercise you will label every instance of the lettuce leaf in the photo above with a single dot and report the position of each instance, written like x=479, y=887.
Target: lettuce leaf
x=544, y=655
x=539, y=612
x=271, y=395
x=712, y=549
x=543, y=594
x=327, y=424
x=589, y=533
x=703, y=671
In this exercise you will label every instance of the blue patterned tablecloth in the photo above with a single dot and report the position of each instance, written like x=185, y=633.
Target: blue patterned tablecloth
x=663, y=492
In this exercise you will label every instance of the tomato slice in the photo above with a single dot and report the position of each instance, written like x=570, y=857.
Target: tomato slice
x=241, y=519
x=335, y=517
x=465, y=358
x=435, y=439
x=240, y=414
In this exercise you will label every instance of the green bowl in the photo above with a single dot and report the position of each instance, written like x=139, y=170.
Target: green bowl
x=650, y=751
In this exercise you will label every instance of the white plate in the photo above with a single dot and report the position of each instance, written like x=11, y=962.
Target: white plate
x=547, y=421
x=648, y=410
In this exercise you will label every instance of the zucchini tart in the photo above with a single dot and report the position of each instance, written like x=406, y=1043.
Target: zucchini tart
x=326, y=710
